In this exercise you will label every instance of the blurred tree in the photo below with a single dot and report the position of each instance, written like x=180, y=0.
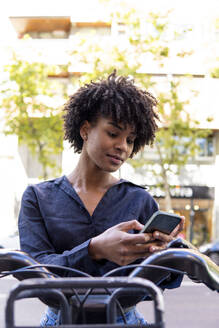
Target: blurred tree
x=140, y=44
x=214, y=72
x=176, y=141
x=31, y=112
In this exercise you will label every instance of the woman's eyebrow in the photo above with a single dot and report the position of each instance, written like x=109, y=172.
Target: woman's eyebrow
x=116, y=126
x=120, y=128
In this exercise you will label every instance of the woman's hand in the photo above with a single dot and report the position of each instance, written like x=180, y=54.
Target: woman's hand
x=161, y=240
x=117, y=245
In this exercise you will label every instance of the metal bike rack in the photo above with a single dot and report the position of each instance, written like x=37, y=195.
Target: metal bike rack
x=58, y=287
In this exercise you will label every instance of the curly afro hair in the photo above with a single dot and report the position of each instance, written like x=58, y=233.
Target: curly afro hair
x=116, y=97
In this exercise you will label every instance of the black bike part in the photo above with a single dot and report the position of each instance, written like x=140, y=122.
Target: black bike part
x=35, y=286
x=197, y=266
x=12, y=260
x=181, y=255
x=24, y=290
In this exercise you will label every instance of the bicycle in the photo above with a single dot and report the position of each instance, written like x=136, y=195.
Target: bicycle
x=83, y=299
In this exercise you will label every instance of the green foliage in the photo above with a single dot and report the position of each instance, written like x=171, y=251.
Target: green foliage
x=127, y=54
x=215, y=72
x=29, y=111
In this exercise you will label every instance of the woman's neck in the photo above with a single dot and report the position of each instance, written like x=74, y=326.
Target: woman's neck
x=85, y=178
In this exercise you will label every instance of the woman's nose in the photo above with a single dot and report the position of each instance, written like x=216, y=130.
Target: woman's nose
x=122, y=144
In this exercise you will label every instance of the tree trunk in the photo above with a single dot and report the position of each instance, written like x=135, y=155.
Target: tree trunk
x=167, y=199
x=40, y=157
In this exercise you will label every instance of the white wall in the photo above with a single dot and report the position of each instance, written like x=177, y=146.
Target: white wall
x=13, y=181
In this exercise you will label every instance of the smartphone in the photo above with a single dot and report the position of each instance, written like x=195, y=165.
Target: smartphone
x=162, y=221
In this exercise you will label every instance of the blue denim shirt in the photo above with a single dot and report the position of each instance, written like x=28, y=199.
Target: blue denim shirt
x=56, y=228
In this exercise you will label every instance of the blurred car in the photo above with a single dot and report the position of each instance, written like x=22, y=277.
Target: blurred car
x=211, y=250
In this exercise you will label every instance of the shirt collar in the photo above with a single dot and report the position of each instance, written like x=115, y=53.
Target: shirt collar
x=64, y=179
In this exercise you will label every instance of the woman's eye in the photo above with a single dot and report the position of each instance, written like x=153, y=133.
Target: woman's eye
x=113, y=135
x=130, y=141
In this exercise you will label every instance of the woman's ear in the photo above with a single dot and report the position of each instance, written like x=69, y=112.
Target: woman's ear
x=84, y=130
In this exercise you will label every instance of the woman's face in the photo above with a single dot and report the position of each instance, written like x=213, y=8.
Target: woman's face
x=107, y=144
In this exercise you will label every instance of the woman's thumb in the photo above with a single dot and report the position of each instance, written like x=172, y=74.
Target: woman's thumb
x=133, y=224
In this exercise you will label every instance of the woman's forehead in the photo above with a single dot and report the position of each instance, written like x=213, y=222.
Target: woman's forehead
x=121, y=125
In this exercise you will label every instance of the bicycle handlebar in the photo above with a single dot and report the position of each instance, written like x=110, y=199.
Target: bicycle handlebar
x=11, y=260
x=197, y=266
x=180, y=255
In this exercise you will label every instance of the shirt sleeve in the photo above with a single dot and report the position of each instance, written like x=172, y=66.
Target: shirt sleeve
x=35, y=241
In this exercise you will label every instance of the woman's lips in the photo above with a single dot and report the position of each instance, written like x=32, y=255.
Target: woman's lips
x=115, y=159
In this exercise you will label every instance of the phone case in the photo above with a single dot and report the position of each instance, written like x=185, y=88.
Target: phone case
x=162, y=221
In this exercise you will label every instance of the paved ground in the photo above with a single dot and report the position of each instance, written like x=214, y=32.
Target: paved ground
x=191, y=306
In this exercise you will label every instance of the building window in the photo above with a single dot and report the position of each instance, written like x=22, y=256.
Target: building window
x=206, y=147
x=205, y=144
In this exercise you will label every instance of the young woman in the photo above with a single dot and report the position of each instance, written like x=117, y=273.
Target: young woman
x=86, y=220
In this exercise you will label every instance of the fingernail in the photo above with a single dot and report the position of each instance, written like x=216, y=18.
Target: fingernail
x=157, y=234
